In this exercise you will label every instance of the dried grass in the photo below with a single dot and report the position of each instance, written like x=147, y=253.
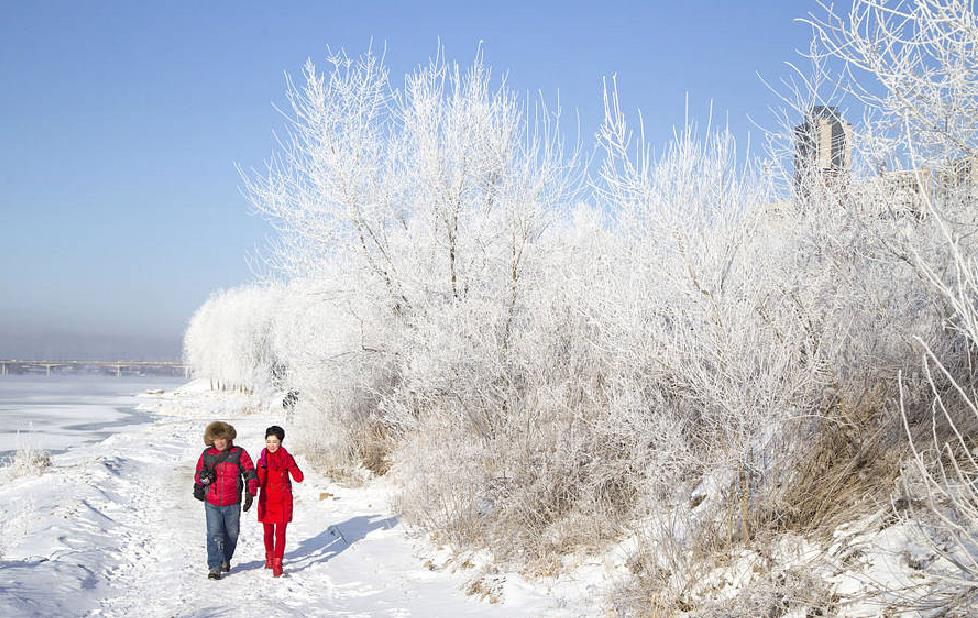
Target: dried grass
x=375, y=444
x=849, y=471
x=27, y=461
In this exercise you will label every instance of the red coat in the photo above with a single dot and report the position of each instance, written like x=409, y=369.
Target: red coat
x=275, y=499
x=226, y=490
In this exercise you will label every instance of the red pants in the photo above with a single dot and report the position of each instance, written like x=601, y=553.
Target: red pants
x=275, y=539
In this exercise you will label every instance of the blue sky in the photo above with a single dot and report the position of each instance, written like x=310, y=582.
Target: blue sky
x=121, y=122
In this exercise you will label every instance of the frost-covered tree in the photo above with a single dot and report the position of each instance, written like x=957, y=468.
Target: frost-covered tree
x=228, y=340
x=434, y=192
x=419, y=209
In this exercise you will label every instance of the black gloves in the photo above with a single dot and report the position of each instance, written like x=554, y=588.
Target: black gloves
x=248, y=500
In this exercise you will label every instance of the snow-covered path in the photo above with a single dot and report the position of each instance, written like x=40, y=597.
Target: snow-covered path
x=113, y=529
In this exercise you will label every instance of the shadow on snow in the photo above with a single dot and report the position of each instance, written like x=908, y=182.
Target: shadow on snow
x=328, y=544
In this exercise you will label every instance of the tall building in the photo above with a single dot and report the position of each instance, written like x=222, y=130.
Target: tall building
x=823, y=160
x=823, y=145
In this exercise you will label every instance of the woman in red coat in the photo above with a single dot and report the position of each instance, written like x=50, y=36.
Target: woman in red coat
x=275, y=500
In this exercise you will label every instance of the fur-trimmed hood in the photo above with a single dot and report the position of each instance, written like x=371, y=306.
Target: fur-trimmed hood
x=218, y=429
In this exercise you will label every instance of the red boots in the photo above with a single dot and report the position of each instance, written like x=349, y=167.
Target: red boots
x=275, y=564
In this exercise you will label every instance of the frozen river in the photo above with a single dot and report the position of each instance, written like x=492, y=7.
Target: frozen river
x=59, y=412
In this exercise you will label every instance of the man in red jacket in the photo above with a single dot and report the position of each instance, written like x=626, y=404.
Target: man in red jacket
x=224, y=470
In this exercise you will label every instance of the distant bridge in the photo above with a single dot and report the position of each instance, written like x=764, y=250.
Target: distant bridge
x=20, y=366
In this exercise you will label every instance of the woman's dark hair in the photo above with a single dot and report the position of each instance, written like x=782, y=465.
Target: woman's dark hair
x=276, y=431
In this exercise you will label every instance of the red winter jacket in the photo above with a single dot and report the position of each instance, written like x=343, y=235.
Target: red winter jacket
x=275, y=501
x=226, y=490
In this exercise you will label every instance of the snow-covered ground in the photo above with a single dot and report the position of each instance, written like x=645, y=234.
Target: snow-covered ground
x=112, y=528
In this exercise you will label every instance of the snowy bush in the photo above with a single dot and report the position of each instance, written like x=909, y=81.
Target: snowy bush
x=27, y=461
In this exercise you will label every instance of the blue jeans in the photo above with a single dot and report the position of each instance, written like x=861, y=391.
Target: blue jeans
x=223, y=523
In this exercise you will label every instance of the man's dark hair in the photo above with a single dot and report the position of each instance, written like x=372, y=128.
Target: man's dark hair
x=276, y=431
